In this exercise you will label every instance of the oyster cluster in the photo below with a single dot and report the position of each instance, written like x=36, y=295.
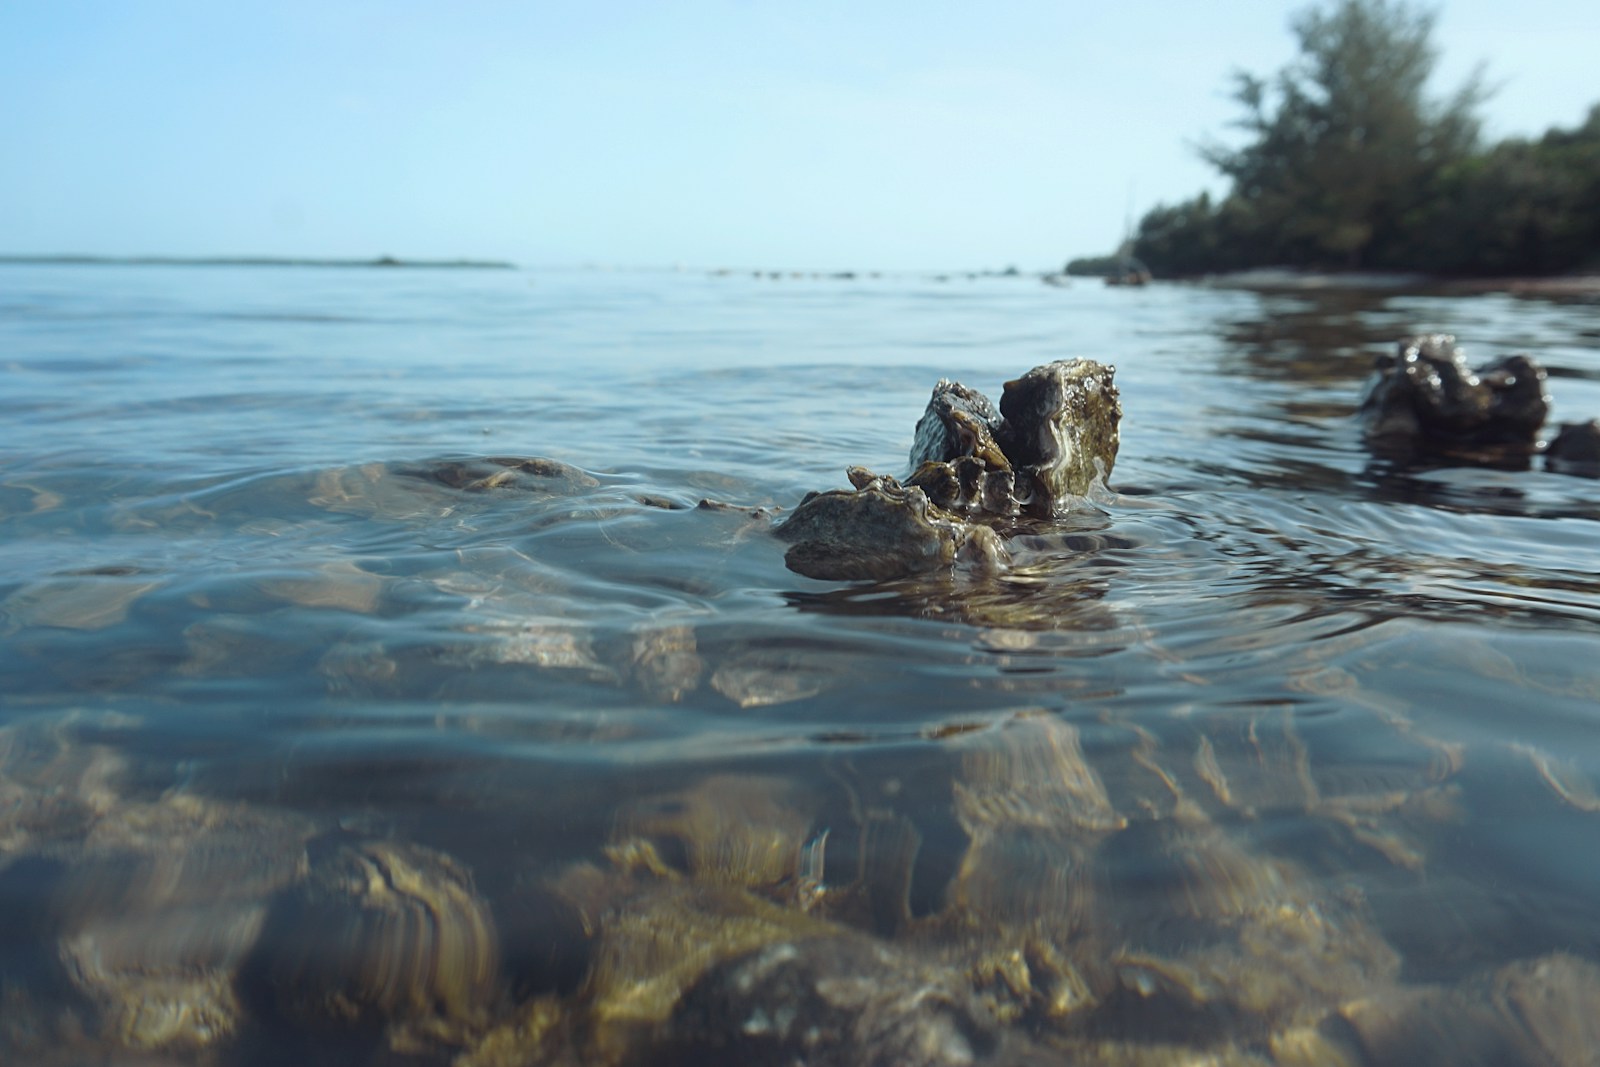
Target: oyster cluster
x=976, y=474
x=1425, y=402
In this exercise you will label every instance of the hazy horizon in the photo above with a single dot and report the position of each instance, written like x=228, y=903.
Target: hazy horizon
x=714, y=135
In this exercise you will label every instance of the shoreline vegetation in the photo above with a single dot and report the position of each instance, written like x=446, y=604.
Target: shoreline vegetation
x=1348, y=165
x=251, y=261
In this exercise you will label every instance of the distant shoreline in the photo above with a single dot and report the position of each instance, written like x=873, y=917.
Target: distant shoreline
x=250, y=261
x=1288, y=280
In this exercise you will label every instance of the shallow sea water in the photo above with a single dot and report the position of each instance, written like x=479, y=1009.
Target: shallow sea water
x=313, y=745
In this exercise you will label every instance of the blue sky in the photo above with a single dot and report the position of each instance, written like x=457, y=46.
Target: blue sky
x=891, y=135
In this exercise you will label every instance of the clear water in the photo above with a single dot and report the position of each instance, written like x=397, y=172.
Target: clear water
x=233, y=586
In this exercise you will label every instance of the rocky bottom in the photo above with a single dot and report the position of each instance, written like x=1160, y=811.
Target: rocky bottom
x=1029, y=899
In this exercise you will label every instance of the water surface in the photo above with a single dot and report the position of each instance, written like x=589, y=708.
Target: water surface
x=249, y=604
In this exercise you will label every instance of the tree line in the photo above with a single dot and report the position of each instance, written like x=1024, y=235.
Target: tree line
x=1349, y=165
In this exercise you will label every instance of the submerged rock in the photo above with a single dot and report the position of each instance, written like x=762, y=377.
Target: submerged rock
x=976, y=473
x=380, y=935
x=735, y=830
x=499, y=472
x=1083, y=890
x=163, y=905
x=839, y=1000
x=1426, y=401
x=1535, y=1011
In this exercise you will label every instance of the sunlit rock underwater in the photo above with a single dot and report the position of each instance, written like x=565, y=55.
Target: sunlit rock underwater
x=1107, y=903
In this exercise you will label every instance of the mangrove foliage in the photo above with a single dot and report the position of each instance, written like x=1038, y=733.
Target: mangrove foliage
x=1347, y=163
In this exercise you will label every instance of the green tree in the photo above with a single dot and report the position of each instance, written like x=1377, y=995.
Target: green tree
x=1344, y=144
x=1524, y=207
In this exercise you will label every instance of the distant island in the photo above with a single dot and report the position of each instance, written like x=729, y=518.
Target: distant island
x=1349, y=167
x=253, y=261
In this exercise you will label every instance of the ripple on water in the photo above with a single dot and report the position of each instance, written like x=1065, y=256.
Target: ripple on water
x=1276, y=754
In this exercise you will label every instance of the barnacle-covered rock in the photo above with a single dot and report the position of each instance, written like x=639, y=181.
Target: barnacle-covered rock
x=1055, y=435
x=880, y=530
x=958, y=422
x=1575, y=449
x=1425, y=401
x=1060, y=430
x=968, y=486
x=974, y=474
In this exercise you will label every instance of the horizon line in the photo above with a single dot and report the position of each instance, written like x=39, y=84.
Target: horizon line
x=83, y=259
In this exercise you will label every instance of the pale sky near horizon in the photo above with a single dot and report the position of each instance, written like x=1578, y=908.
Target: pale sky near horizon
x=740, y=133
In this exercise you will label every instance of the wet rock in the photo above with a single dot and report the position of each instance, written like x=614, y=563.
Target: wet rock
x=544, y=945
x=538, y=1034
x=958, y=422
x=763, y=677
x=1055, y=435
x=880, y=530
x=1255, y=764
x=426, y=490
x=340, y=586
x=1426, y=402
x=1155, y=925
x=975, y=472
x=1549, y=1004
x=1575, y=449
x=1030, y=773
x=1033, y=810
x=1061, y=430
